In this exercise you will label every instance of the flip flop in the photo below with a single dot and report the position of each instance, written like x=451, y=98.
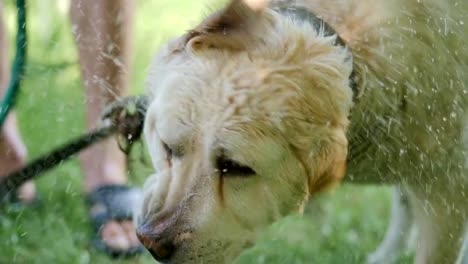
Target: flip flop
x=112, y=202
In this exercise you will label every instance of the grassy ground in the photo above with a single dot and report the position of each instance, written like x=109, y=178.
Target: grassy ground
x=341, y=227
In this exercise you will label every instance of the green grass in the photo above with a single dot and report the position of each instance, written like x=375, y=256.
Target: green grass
x=340, y=227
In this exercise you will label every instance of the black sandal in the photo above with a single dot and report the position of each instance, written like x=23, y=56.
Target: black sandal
x=112, y=202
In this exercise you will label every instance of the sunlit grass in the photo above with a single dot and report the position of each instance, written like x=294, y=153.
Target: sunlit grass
x=341, y=227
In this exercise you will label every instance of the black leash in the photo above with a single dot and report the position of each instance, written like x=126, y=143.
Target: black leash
x=123, y=117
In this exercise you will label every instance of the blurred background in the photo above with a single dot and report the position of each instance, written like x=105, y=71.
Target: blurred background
x=342, y=226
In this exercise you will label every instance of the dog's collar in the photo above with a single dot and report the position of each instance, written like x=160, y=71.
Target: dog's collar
x=319, y=24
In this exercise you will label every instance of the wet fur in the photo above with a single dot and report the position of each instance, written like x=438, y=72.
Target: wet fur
x=275, y=95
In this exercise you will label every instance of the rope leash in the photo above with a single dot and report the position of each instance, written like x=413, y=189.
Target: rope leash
x=123, y=117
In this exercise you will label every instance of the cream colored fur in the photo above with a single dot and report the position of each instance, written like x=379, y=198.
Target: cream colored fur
x=273, y=94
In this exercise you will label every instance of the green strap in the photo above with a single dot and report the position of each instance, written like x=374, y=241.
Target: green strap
x=18, y=64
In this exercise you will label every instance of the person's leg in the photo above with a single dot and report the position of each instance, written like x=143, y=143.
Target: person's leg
x=102, y=33
x=12, y=149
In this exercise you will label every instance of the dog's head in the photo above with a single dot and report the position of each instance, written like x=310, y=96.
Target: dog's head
x=247, y=120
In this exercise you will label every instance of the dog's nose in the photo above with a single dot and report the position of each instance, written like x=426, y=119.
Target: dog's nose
x=161, y=248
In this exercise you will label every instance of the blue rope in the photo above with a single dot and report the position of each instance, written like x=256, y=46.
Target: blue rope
x=18, y=64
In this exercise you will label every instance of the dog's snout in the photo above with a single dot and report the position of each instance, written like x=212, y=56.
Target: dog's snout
x=160, y=247
x=158, y=237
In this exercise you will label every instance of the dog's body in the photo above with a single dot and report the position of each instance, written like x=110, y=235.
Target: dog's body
x=253, y=110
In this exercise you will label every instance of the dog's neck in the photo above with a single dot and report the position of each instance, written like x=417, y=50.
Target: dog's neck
x=320, y=25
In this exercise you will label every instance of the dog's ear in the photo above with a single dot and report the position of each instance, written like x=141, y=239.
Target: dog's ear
x=331, y=166
x=231, y=27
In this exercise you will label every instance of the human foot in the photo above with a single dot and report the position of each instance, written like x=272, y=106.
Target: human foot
x=105, y=184
x=111, y=216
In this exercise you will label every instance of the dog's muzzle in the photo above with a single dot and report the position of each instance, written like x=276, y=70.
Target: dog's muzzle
x=158, y=241
x=160, y=248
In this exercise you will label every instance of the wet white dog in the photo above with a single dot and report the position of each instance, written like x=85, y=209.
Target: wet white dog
x=252, y=112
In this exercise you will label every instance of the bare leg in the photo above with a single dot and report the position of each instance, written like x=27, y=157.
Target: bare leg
x=102, y=32
x=12, y=150
x=398, y=231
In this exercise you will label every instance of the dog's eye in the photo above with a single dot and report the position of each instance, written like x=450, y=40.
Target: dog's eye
x=229, y=167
